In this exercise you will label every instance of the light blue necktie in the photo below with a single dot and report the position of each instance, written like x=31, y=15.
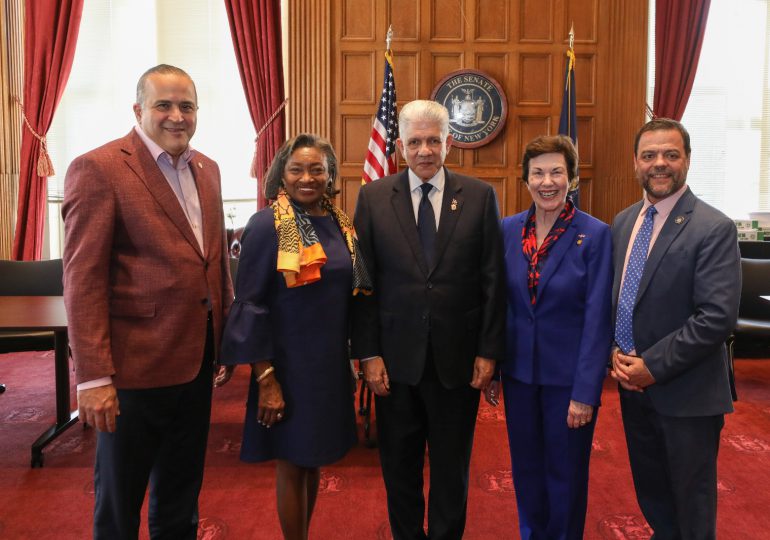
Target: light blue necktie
x=624, y=322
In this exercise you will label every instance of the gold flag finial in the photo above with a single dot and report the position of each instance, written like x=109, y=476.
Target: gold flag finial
x=572, y=36
x=388, y=37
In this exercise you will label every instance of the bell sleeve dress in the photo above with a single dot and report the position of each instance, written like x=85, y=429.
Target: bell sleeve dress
x=303, y=332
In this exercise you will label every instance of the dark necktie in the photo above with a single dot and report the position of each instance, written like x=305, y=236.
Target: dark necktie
x=624, y=321
x=426, y=224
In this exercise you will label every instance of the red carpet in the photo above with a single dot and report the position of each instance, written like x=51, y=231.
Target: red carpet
x=56, y=502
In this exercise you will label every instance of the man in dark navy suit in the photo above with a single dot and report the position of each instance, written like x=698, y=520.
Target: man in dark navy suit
x=430, y=335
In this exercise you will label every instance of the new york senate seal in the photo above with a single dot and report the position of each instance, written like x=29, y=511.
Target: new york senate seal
x=476, y=104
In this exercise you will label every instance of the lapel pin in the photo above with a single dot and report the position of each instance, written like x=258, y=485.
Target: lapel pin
x=679, y=220
x=453, y=206
x=200, y=165
x=580, y=238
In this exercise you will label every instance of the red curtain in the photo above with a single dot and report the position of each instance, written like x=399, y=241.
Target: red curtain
x=50, y=34
x=255, y=26
x=679, y=29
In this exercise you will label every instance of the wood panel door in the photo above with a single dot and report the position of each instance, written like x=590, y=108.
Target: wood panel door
x=520, y=43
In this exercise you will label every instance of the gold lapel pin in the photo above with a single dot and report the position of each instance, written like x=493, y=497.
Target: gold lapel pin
x=580, y=238
x=453, y=206
x=679, y=220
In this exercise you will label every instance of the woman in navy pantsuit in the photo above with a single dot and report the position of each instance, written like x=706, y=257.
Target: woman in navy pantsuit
x=559, y=277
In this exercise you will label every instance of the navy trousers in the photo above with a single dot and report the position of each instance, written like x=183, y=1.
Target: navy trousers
x=549, y=460
x=160, y=439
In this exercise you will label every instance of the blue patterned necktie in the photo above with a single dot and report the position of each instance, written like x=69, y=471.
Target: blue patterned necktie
x=426, y=224
x=624, y=322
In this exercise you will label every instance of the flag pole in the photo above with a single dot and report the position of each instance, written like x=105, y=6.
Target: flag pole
x=380, y=160
x=568, y=116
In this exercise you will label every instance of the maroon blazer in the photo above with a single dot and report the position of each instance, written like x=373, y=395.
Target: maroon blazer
x=136, y=286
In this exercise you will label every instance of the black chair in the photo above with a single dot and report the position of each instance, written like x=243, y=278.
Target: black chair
x=29, y=278
x=752, y=331
x=754, y=312
x=730, y=345
x=234, y=241
x=233, y=269
x=365, y=411
x=754, y=249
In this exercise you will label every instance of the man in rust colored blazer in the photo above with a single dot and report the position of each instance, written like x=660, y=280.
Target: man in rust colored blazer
x=147, y=288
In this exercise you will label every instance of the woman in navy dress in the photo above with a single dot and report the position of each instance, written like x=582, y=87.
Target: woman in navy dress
x=559, y=280
x=298, y=269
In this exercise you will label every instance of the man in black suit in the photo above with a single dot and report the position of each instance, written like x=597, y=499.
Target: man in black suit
x=431, y=333
x=676, y=302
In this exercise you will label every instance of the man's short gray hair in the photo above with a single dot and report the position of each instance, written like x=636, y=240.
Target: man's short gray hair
x=423, y=110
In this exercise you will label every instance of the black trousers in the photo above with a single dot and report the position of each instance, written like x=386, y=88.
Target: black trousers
x=160, y=439
x=674, y=466
x=408, y=419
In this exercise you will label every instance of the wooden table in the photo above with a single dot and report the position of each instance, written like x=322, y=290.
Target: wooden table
x=39, y=313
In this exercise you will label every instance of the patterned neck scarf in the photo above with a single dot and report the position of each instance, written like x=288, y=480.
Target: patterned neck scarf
x=300, y=254
x=535, y=256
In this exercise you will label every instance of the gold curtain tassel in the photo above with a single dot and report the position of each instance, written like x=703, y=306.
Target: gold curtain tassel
x=44, y=165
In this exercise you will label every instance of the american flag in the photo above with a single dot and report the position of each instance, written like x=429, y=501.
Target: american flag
x=380, y=160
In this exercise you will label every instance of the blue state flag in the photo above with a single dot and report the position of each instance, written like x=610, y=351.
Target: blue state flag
x=568, y=118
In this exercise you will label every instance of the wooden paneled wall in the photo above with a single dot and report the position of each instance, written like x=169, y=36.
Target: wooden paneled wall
x=11, y=80
x=335, y=77
x=310, y=73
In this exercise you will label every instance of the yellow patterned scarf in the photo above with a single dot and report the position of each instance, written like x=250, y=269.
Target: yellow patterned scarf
x=300, y=254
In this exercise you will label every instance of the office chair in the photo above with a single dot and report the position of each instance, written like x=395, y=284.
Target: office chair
x=29, y=278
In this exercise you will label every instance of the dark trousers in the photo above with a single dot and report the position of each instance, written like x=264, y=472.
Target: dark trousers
x=674, y=466
x=160, y=439
x=549, y=461
x=408, y=419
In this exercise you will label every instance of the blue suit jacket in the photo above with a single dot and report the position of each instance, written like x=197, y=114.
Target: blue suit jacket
x=686, y=306
x=565, y=338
